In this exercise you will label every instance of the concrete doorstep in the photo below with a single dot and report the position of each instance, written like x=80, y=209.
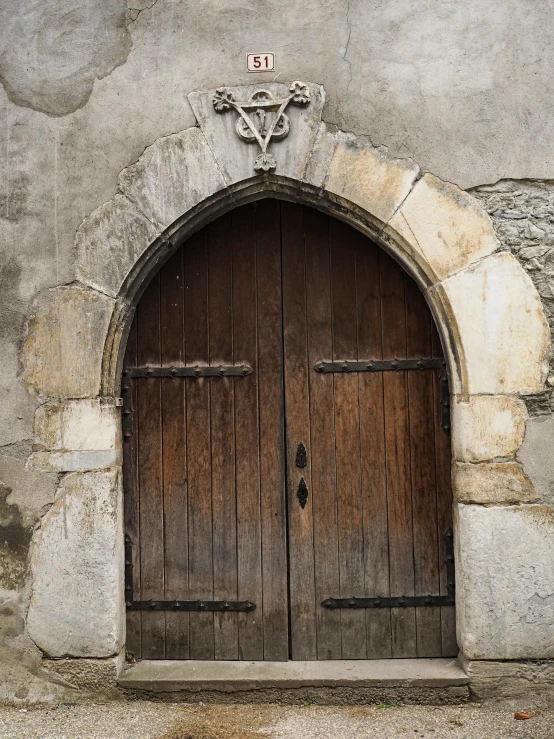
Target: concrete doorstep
x=422, y=681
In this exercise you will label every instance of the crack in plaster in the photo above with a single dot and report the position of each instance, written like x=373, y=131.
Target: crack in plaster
x=138, y=11
x=345, y=54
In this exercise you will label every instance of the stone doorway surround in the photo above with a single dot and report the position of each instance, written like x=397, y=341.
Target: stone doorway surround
x=488, y=313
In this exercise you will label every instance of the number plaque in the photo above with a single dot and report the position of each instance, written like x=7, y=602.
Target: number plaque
x=262, y=62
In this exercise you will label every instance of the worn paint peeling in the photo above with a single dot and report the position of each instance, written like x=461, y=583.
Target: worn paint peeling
x=52, y=51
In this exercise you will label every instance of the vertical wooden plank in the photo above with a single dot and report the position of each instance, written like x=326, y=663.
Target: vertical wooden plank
x=422, y=451
x=249, y=559
x=272, y=463
x=300, y=520
x=372, y=448
x=444, y=507
x=174, y=455
x=347, y=428
x=401, y=556
x=223, y=436
x=198, y=446
x=322, y=433
x=150, y=472
x=130, y=485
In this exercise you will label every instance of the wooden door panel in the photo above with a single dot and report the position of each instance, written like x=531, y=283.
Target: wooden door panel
x=347, y=436
x=210, y=463
x=202, y=449
x=199, y=483
x=243, y=239
x=300, y=519
x=422, y=459
x=397, y=441
x=372, y=448
x=272, y=471
x=150, y=473
x=174, y=446
x=322, y=434
x=222, y=414
x=373, y=520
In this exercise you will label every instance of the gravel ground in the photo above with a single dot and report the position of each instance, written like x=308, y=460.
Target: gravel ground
x=144, y=720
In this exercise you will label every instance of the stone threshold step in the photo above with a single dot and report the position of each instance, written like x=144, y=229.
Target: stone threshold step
x=160, y=676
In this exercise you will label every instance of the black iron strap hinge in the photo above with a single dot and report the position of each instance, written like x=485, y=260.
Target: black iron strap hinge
x=398, y=365
x=227, y=606
x=407, y=601
x=379, y=365
x=197, y=370
x=203, y=606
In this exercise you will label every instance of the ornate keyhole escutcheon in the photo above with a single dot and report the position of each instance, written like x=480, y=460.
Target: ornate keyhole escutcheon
x=301, y=456
x=302, y=493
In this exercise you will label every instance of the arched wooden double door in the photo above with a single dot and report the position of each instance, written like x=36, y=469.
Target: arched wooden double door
x=283, y=499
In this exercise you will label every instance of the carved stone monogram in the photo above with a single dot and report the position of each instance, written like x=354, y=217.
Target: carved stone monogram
x=262, y=117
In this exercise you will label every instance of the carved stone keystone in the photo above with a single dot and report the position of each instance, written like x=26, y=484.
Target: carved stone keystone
x=262, y=117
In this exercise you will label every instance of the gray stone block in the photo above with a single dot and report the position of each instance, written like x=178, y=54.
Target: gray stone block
x=505, y=582
x=109, y=242
x=172, y=176
x=77, y=607
x=65, y=342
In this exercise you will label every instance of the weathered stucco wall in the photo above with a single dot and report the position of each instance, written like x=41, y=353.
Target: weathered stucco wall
x=463, y=88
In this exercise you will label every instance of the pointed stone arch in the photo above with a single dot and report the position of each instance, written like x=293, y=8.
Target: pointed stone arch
x=488, y=312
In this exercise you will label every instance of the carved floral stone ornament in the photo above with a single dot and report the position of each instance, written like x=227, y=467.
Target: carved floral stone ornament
x=262, y=117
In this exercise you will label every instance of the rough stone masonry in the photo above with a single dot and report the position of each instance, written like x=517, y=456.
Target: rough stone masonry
x=522, y=212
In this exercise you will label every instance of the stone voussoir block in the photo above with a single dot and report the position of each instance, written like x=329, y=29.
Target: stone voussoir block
x=76, y=607
x=366, y=176
x=235, y=156
x=501, y=327
x=173, y=175
x=78, y=425
x=505, y=581
x=492, y=482
x=109, y=242
x=485, y=427
x=445, y=225
x=65, y=342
